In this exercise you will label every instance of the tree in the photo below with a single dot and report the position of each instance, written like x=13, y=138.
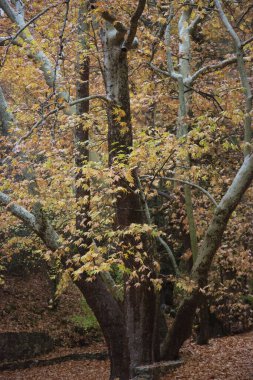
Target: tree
x=111, y=225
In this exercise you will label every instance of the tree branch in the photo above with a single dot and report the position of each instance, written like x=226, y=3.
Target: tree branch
x=170, y=66
x=34, y=52
x=34, y=19
x=248, y=41
x=201, y=268
x=189, y=184
x=248, y=132
x=4, y=40
x=211, y=68
x=160, y=71
x=53, y=112
x=220, y=219
x=107, y=16
x=158, y=238
x=134, y=25
x=36, y=221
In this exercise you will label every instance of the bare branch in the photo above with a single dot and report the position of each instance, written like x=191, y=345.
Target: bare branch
x=243, y=15
x=4, y=40
x=189, y=184
x=159, y=238
x=134, y=25
x=160, y=71
x=34, y=19
x=248, y=132
x=53, y=112
x=223, y=212
x=227, y=24
x=91, y=97
x=194, y=24
x=202, y=71
x=214, y=67
x=248, y=41
x=199, y=19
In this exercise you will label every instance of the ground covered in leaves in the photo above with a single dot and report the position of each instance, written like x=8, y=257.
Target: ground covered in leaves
x=229, y=358
x=24, y=306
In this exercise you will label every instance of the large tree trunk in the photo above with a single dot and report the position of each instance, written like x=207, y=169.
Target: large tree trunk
x=110, y=317
x=106, y=309
x=140, y=299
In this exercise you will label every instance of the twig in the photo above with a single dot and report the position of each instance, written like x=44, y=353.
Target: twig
x=190, y=184
x=161, y=167
x=13, y=38
x=205, y=95
x=61, y=45
x=159, y=238
x=54, y=111
x=248, y=41
x=211, y=68
x=243, y=15
x=248, y=132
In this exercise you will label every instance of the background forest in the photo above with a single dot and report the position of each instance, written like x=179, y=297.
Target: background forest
x=126, y=165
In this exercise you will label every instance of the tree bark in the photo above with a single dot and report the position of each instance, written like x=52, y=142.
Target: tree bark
x=81, y=133
x=182, y=326
x=140, y=299
x=105, y=307
x=111, y=320
x=203, y=328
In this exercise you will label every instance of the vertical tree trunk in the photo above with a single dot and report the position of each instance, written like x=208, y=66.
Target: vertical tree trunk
x=204, y=330
x=140, y=300
x=100, y=300
x=81, y=134
x=111, y=320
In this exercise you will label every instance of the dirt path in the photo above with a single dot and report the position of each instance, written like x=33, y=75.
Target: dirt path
x=229, y=358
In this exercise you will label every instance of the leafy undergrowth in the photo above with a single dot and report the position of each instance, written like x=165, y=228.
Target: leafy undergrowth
x=229, y=358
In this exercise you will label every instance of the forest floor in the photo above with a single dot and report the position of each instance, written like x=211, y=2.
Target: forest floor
x=24, y=307
x=228, y=358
